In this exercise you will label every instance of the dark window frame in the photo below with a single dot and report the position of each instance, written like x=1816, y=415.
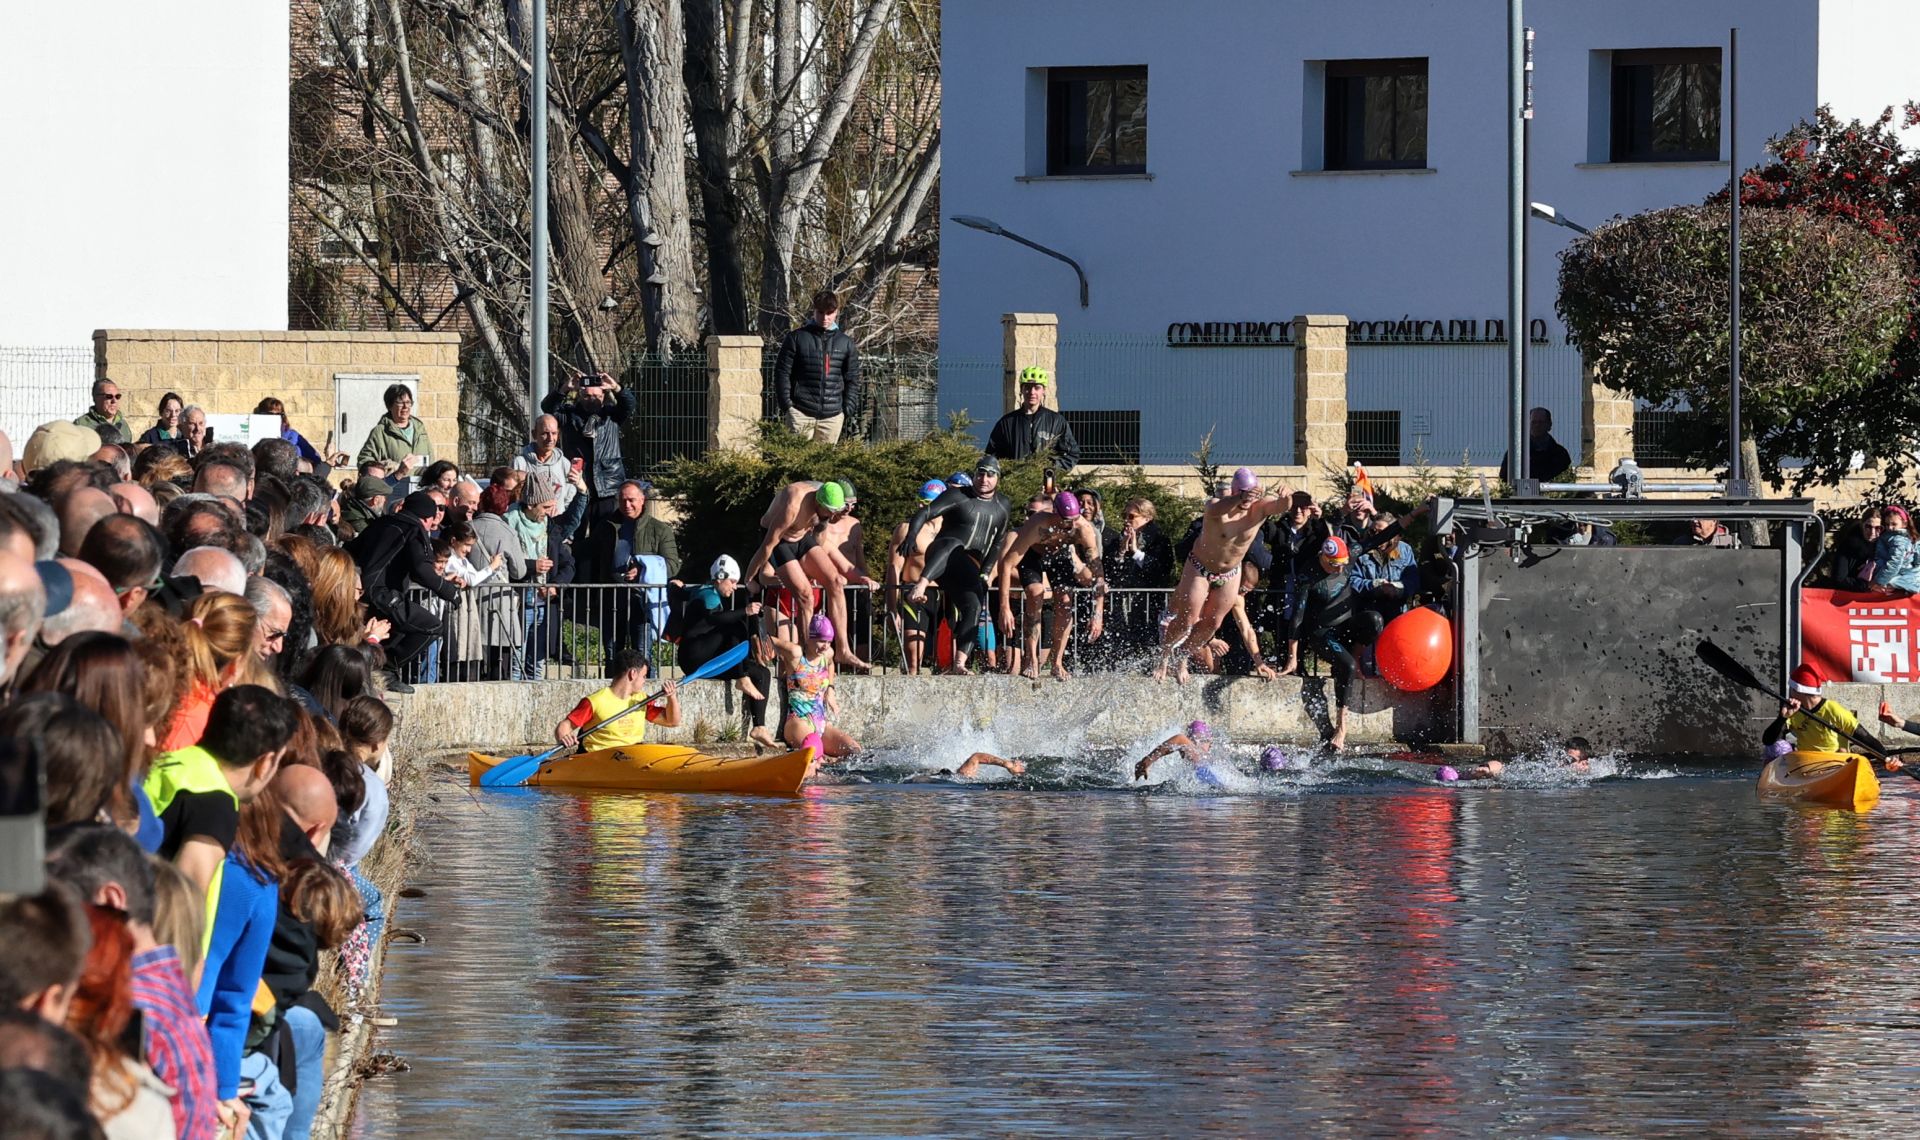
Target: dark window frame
x=1061, y=121
x=1631, y=79
x=1344, y=141
x=1107, y=436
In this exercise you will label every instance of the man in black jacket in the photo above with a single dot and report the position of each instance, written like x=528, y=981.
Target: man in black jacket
x=591, y=415
x=815, y=370
x=391, y=552
x=1034, y=429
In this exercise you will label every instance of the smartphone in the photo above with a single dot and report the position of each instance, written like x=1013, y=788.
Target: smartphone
x=578, y=465
x=23, y=825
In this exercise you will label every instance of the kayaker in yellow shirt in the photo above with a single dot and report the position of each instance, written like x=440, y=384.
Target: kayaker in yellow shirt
x=629, y=671
x=1815, y=723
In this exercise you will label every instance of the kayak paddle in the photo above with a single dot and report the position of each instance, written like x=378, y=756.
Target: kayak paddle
x=1721, y=662
x=515, y=770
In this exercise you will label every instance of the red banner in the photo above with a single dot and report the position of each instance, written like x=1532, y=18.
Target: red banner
x=1860, y=637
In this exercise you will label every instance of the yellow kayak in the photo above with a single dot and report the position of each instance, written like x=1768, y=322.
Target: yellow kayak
x=664, y=768
x=1836, y=779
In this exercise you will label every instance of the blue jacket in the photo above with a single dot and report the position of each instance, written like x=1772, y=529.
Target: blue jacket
x=1392, y=561
x=242, y=931
x=1896, y=562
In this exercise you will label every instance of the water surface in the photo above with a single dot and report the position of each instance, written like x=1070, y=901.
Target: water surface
x=1352, y=954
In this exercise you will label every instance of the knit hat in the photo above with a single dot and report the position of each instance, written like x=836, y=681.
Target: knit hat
x=1805, y=680
x=421, y=506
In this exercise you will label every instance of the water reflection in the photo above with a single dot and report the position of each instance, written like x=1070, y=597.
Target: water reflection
x=1629, y=957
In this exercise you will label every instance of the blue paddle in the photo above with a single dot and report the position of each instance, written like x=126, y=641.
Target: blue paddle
x=515, y=770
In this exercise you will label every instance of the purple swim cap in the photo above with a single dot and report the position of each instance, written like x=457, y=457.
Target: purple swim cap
x=820, y=628
x=1272, y=759
x=1199, y=730
x=1778, y=749
x=1446, y=775
x=1066, y=504
x=1245, y=480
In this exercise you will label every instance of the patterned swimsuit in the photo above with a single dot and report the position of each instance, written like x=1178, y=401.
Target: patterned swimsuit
x=807, y=690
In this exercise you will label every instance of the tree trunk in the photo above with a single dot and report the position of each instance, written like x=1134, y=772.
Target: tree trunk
x=719, y=205
x=1758, y=532
x=651, y=50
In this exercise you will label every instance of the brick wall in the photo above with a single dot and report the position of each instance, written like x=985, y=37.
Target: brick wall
x=229, y=372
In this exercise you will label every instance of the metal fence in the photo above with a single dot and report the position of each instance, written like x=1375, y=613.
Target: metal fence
x=1134, y=400
x=670, y=409
x=1651, y=426
x=1447, y=403
x=898, y=396
x=42, y=383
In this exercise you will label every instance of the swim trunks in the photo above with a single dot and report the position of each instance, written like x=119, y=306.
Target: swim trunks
x=786, y=552
x=1054, y=567
x=1215, y=578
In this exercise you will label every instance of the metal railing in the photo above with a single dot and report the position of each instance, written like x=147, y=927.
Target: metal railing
x=508, y=632
x=48, y=382
x=670, y=409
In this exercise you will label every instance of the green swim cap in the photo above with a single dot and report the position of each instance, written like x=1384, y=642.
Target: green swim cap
x=846, y=488
x=831, y=497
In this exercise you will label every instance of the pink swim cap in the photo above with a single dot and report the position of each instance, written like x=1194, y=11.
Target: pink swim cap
x=1200, y=730
x=820, y=628
x=814, y=742
x=1245, y=480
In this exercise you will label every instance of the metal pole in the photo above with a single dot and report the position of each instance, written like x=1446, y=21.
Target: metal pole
x=1737, y=487
x=1524, y=463
x=1516, y=240
x=538, y=317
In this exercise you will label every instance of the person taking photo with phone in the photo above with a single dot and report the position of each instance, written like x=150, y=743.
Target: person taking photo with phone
x=590, y=411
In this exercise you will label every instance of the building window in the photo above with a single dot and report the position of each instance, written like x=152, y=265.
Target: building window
x=1376, y=114
x=1666, y=105
x=1374, y=437
x=1097, y=120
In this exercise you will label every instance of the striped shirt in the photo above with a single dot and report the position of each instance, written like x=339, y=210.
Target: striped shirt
x=178, y=1049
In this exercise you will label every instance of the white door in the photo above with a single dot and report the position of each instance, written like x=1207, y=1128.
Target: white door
x=358, y=401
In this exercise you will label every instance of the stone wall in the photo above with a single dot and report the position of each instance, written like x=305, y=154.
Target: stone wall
x=229, y=372
x=929, y=712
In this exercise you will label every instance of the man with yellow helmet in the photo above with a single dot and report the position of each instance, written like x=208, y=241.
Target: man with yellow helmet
x=1033, y=428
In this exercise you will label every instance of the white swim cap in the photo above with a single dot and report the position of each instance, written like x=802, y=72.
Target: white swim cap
x=725, y=567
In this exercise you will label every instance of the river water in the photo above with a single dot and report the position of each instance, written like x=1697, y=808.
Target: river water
x=1357, y=953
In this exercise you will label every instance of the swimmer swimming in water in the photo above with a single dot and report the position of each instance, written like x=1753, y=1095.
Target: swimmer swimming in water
x=1196, y=744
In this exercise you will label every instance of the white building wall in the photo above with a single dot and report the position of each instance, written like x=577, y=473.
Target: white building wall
x=1228, y=229
x=1870, y=58
x=145, y=149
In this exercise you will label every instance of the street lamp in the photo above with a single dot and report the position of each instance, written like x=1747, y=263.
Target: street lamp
x=989, y=226
x=1547, y=213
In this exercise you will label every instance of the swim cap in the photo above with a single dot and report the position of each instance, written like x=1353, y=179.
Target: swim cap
x=1245, y=480
x=1066, y=504
x=988, y=464
x=820, y=628
x=814, y=742
x=1272, y=759
x=831, y=496
x=931, y=490
x=1334, y=548
x=724, y=567
x=1805, y=680
x=1778, y=749
x=1034, y=375
x=846, y=487
x=959, y=479
x=1200, y=730
x=1446, y=775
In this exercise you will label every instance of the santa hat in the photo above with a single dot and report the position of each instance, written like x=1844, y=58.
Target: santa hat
x=1805, y=680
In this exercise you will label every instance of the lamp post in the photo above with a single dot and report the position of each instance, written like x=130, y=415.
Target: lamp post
x=1552, y=216
x=537, y=318
x=989, y=226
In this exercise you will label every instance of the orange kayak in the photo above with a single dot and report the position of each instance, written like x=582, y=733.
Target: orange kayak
x=1834, y=779
x=664, y=768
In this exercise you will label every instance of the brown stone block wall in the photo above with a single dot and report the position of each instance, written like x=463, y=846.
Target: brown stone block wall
x=230, y=372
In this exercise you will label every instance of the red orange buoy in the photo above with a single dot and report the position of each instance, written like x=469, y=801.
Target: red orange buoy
x=1415, y=650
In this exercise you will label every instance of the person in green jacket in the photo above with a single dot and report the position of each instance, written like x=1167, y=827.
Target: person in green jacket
x=106, y=411
x=398, y=440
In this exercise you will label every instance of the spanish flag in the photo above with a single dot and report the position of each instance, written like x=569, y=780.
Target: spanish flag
x=1363, y=484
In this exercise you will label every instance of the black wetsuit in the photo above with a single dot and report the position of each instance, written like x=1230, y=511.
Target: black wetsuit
x=970, y=536
x=1329, y=619
x=705, y=634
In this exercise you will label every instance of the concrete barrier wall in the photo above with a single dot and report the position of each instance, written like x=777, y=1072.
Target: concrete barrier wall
x=1045, y=718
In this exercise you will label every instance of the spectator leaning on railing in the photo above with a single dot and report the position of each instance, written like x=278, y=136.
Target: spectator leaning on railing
x=393, y=553
x=615, y=554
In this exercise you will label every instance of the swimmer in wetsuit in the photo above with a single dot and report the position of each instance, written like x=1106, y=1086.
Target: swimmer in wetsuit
x=914, y=622
x=1205, y=594
x=1042, y=553
x=792, y=555
x=1329, y=620
x=1196, y=744
x=808, y=668
x=974, y=524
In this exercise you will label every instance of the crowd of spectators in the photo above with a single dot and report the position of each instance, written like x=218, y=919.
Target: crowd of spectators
x=188, y=664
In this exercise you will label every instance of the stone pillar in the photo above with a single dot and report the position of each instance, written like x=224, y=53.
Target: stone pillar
x=735, y=385
x=1320, y=399
x=1606, y=424
x=1028, y=339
